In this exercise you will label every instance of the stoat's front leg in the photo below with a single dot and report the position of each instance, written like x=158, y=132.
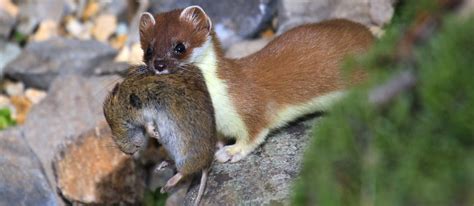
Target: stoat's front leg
x=242, y=147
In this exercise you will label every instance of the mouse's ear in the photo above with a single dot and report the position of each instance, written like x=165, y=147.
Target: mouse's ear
x=196, y=16
x=115, y=89
x=146, y=21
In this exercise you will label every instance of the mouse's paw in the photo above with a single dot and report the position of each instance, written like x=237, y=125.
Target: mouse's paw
x=173, y=181
x=233, y=153
x=164, y=164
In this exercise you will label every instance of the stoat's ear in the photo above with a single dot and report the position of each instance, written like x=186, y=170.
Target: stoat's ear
x=196, y=16
x=146, y=21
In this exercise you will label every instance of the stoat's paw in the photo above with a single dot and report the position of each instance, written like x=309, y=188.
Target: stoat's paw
x=232, y=153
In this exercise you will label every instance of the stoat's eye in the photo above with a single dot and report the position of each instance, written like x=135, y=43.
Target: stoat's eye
x=180, y=48
x=148, y=53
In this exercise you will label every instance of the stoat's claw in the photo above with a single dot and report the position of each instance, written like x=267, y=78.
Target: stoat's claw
x=232, y=153
x=222, y=155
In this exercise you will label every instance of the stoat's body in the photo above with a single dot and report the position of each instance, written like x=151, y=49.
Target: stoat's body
x=295, y=74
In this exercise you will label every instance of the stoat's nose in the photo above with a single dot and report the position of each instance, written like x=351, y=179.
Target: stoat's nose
x=160, y=65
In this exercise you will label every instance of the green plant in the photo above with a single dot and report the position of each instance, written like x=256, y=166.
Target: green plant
x=6, y=119
x=155, y=198
x=419, y=150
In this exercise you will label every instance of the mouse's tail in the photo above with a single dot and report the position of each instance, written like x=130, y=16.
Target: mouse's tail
x=202, y=186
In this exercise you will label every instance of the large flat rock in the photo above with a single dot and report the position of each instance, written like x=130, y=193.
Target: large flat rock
x=265, y=177
x=41, y=62
x=232, y=20
x=368, y=12
x=22, y=179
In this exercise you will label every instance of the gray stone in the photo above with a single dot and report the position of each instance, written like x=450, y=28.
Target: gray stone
x=381, y=11
x=368, y=12
x=467, y=9
x=8, y=52
x=232, y=20
x=33, y=12
x=41, y=62
x=246, y=47
x=115, y=7
x=22, y=179
x=6, y=23
x=265, y=177
x=111, y=67
x=73, y=105
x=293, y=13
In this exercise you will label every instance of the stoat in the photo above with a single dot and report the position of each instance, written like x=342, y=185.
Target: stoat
x=297, y=73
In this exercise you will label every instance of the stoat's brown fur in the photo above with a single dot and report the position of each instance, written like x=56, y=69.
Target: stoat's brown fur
x=295, y=74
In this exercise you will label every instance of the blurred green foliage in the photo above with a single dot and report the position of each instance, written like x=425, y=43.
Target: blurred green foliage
x=155, y=198
x=19, y=37
x=6, y=119
x=417, y=151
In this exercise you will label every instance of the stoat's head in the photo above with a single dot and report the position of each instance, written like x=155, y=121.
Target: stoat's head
x=175, y=38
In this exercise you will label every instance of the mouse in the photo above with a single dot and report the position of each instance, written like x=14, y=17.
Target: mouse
x=297, y=73
x=175, y=109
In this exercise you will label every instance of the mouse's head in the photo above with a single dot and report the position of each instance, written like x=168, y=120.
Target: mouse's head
x=175, y=38
x=122, y=110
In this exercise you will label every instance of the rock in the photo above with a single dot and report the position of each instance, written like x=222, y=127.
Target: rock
x=367, y=12
x=245, y=19
x=132, y=55
x=47, y=29
x=73, y=105
x=245, y=48
x=8, y=52
x=467, y=9
x=111, y=67
x=41, y=62
x=115, y=7
x=71, y=7
x=91, y=170
x=265, y=177
x=122, y=29
x=34, y=95
x=119, y=41
x=82, y=31
x=293, y=13
x=123, y=55
x=136, y=54
x=33, y=12
x=92, y=8
x=4, y=101
x=14, y=88
x=8, y=14
x=22, y=107
x=22, y=179
x=381, y=11
x=104, y=27
x=9, y=7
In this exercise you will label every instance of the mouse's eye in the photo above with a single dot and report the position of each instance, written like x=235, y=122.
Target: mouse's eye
x=135, y=101
x=180, y=48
